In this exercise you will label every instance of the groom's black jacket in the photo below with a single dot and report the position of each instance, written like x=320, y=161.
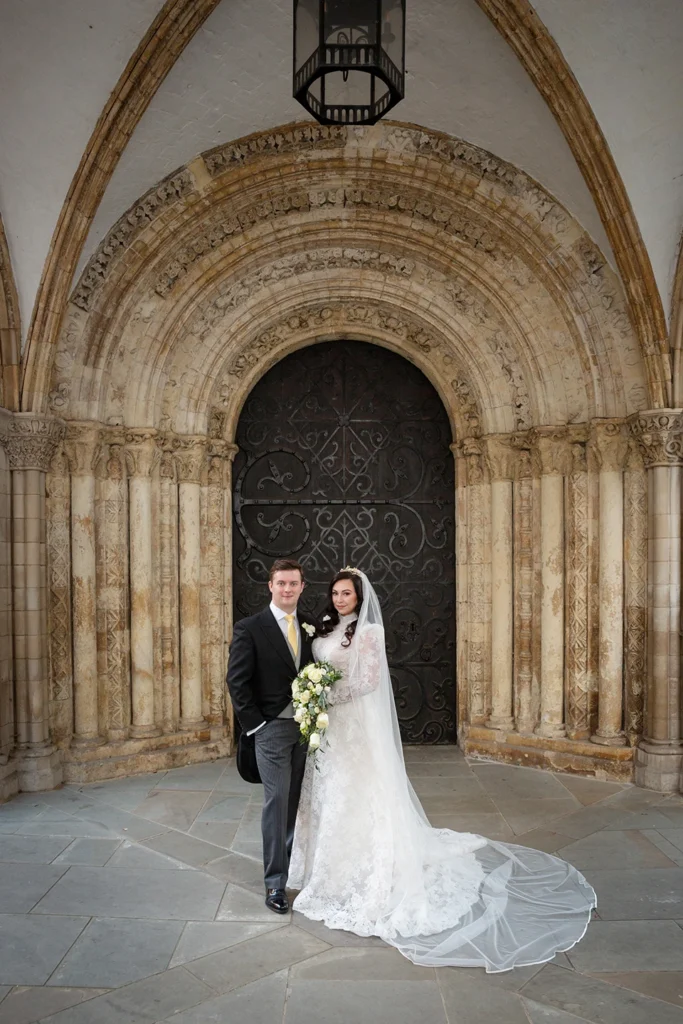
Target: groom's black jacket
x=261, y=668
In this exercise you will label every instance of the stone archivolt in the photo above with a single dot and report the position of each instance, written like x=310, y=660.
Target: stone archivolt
x=459, y=262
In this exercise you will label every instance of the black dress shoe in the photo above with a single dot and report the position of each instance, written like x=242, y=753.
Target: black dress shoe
x=276, y=900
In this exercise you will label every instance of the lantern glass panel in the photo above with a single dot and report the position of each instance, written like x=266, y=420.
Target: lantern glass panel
x=350, y=21
x=307, y=31
x=392, y=31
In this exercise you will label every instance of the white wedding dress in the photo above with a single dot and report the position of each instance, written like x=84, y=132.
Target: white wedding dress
x=366, y=859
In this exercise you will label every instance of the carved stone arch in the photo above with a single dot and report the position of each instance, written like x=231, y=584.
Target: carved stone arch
x=10, y=330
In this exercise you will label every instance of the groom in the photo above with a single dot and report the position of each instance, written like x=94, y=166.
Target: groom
x=266, y=653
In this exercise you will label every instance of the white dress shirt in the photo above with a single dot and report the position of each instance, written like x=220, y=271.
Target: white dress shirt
x=281, y=619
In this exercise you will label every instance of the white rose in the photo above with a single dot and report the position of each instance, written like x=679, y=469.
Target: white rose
x=315, y=675
x=314, y=741
x=327, y=689
x=305, y=696
x=304, y=672
x=318, y=689
x=322, y=721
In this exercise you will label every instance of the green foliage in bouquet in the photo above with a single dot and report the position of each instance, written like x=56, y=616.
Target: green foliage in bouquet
x=310, y=696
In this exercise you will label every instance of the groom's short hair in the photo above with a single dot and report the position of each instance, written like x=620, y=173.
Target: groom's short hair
x=286, y=565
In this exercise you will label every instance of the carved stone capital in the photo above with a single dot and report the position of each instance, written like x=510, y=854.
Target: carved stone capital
x=141, y=452
x=608, y=444
x=554, y=450
x=31, y=440
x=659, y=433
x=501, y=457
x=83, y=447
x=473, y=453
x=190, y=455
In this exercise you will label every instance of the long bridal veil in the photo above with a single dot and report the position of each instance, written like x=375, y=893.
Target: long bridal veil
x=449, y=898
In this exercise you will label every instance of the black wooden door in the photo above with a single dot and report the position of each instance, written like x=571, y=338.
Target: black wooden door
x=344, y=460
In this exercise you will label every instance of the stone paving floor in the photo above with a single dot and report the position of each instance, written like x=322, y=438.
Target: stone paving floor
x=141, y=900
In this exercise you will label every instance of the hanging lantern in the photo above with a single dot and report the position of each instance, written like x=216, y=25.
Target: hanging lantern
x=349, y=58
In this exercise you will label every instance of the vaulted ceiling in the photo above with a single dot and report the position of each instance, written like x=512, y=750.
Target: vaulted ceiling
x=59, y=63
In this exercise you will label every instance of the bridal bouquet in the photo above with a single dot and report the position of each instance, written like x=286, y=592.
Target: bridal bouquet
x=310, y=693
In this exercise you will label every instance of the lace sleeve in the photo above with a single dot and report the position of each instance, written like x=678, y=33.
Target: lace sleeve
x=364, y=667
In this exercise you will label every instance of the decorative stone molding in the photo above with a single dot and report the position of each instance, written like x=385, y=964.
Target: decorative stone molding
x=297, y=139
x=501, y=458
x=141, y=452
x=82, y=445
x=554, y=450
x=659, y=433
x=190, y=456
x=31, y=440
x=609, y=444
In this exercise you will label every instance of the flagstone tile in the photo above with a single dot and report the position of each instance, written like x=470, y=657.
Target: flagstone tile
x=611, y=946
x=503, y=781
x=352, y=964
x=95, y=852
x=629, y=849
x=382, y=1002
x=193, y=777
x=261, y=1002
x=125, y=794
x=664, y=985
x=26, y=1005
x=224, y=807
x=143, y=1002
x=187, y=849
x=31, y=947
x=596, y=1001
x=524, y=814
x=239, y=904
x=588, y=791
x=30, y=850
x=239, y=965
x=217, y=832
x=115, y=952
x=200, y=938
x=177, y=808
x=22, y=885
x=243, y=871
x=134, y=893
x=538, y=1014
x=474, y=1000
x=543, y=839
x=134, y=855
x=644, y=894
x=121, y=823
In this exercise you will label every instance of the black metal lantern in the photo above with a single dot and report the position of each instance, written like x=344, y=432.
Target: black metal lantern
x=349, y=58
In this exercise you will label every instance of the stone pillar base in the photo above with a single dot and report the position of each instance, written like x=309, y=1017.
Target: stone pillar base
x=9, y=780
x=39, y=768
x=658, y=767
x=609, y=739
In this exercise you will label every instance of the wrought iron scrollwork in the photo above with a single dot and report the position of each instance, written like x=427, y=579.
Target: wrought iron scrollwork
x=344, y=459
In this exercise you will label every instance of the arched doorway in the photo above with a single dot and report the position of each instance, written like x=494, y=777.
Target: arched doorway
x=344, y=460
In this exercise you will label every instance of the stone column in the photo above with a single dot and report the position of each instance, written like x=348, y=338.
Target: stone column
x=189, y=461
x=58, y=510
x=82, y=448
x=501, y=459
x=141, y=455
x=608, y=447
x=635, y=592
x=553, y=450
x=577, y=522
x=31, y=442
x=168, y=596
x=658, y=759
x=479, y=582
x=524, y=592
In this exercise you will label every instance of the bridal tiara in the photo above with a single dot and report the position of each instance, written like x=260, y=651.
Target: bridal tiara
x=351, y=568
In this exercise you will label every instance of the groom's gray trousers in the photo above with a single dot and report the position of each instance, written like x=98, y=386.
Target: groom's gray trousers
x=281, y=760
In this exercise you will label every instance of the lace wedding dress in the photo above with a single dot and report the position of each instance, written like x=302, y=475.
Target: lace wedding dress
x=366, y=859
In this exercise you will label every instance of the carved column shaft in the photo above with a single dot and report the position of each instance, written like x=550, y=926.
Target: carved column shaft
x=168, y=598
x=660, y=437
x=189, y=461
x=31, y=442
x=553, y=451
x=213, y=580
x=82, y=449
x=635, y=589
x=59, y=600
x=524, y=587
x=501, y=467
x=578, y=708
x=479, y=580
x=608, y=446
x=141, y=457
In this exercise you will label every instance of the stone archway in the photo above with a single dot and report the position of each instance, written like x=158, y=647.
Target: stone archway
x=455, y=260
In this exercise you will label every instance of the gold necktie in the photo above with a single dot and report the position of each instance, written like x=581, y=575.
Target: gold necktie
x=291, y=635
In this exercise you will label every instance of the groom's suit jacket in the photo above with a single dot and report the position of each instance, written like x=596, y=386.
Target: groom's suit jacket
x=261, y=668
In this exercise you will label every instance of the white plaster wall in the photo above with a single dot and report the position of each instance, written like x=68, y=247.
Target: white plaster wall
x=59, y=61
x=628, y=58
x=235, y=78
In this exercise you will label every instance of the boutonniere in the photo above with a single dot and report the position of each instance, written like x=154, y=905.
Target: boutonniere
x=310, y=630
x=326, y=618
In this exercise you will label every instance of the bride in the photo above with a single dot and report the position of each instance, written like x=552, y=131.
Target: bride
x=365, y=857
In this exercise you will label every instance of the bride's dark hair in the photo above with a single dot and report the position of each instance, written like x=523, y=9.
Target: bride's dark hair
x=330, y=613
